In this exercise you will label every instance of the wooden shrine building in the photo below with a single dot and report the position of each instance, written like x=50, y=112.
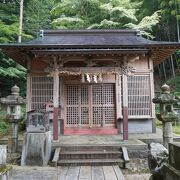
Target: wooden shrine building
x=96, y=81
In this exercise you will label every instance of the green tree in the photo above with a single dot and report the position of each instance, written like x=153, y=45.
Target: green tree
x=8, y=22
x=37, y=15
x=100, y=14
x=10, y=72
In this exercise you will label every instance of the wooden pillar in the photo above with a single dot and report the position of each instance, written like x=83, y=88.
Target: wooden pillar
x=28, y=91
x=56, y=103
x=118, y=103
x=125, y=106
x=152, y=94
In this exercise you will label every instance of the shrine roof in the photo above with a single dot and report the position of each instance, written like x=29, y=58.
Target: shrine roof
x=89, y=38
x=96, y=41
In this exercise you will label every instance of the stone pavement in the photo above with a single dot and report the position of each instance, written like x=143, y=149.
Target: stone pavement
x=67, y=173
x=137, y=177
x=106, y=139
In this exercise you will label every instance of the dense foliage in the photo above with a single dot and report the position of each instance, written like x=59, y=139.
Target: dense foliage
x=155, y=18
x=100, y=14
x=36, y=16
x=4, y=126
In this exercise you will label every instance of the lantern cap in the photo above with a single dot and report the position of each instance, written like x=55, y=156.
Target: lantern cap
x=15, y=90
x=165, y=89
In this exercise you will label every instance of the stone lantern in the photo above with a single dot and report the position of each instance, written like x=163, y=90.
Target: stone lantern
x=13, y=104
x=167, y=114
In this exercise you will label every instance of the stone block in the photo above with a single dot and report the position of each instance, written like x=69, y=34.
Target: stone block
x=174, y=155
x=3, y=154
x=36, y=149
x=157, y=156
x=170, y=173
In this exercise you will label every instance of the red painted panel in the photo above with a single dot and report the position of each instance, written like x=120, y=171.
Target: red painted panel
x=55, y=123
x=87, y=131
x=125, y=123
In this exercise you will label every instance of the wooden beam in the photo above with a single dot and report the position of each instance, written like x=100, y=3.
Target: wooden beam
x=88, y=51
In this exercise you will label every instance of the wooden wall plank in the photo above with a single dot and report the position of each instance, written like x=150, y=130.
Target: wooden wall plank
x=118, y=173
x=85, y=173
x=97, y=173
x=73, y=173
x=109, y=173
x=62, y=172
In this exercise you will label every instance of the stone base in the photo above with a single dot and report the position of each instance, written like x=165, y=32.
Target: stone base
x=3, y=154
x=12, y=144
x=36, y=149
x=170, y=173
x=174, y=155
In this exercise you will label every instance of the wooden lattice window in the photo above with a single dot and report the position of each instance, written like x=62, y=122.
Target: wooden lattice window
x=72, y=104
x=41, y=91
x=139, y=95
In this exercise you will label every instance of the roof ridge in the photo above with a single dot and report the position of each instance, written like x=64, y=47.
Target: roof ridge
x=134, y=32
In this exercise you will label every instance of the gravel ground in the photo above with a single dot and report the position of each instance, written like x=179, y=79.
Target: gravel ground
x=137, y=169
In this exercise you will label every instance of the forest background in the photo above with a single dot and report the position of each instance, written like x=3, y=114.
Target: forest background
x=156, y=19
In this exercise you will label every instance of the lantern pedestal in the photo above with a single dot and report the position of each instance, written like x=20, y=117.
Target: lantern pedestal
x=13, y=139
x=36, y=149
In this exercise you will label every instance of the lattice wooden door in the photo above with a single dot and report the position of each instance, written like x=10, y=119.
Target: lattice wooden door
x=90, y=105
x=103, y=104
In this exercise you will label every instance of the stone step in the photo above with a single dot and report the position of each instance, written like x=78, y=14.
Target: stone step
x=103, y=154
x=90, y=162
x=90, y=148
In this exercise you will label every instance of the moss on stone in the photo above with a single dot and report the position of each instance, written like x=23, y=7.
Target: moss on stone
x=5, y=168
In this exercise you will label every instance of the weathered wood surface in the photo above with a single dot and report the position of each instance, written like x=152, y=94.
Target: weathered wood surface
x=85, y=173
x=72, y=173
x=68, y=173
x=109, y=173
x=97, y=173
x=56, y=156
x=118, y=173
x=125, y=154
